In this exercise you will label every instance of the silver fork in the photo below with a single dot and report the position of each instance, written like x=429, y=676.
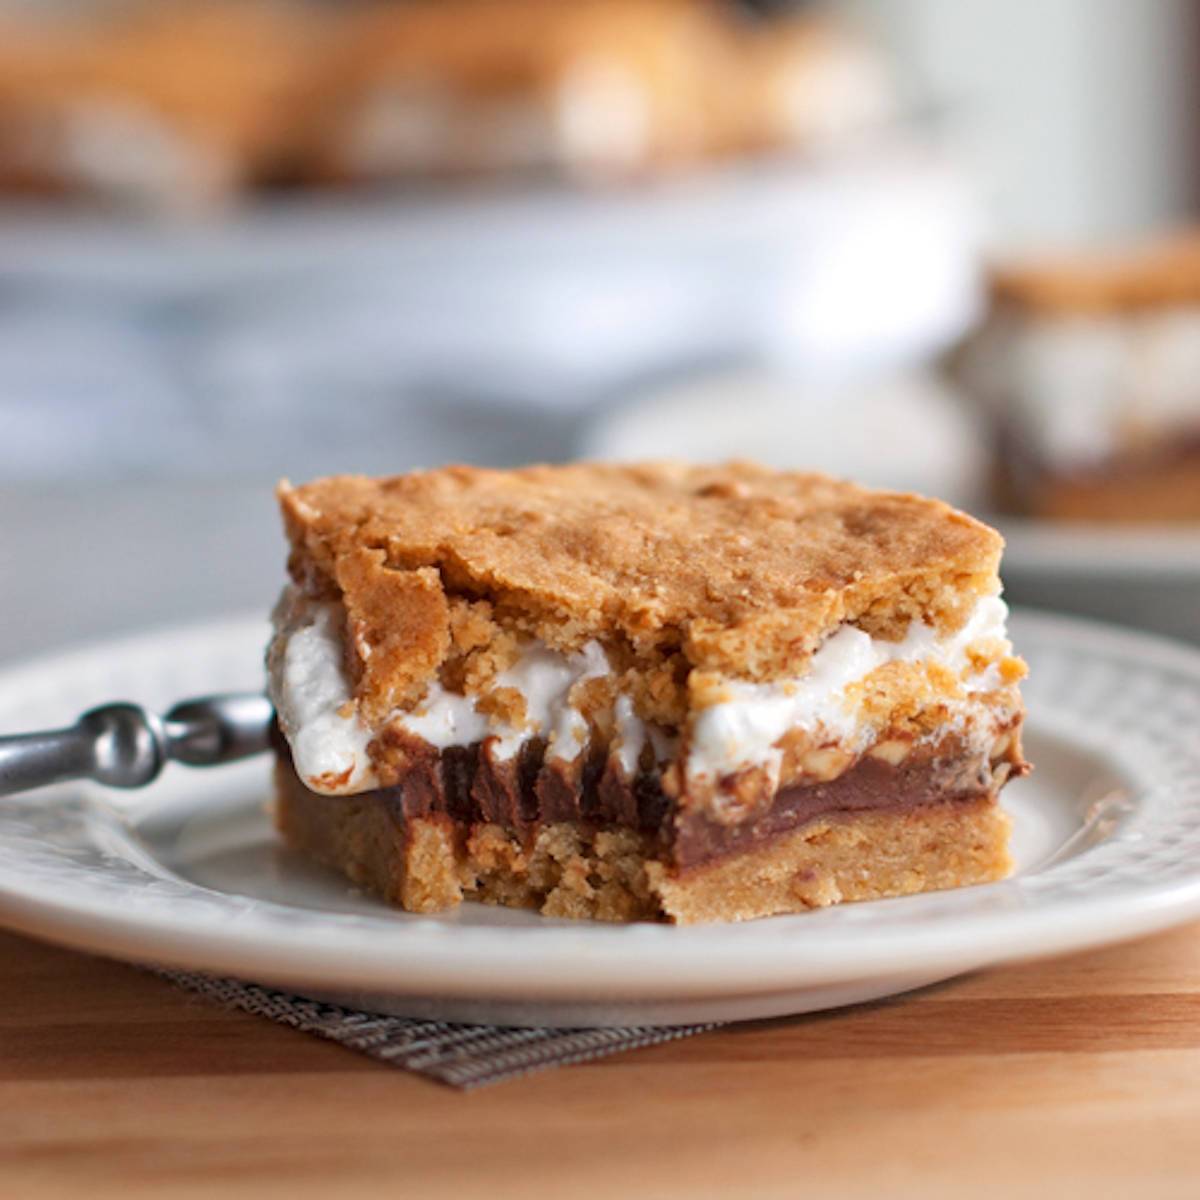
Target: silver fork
x=126, y=746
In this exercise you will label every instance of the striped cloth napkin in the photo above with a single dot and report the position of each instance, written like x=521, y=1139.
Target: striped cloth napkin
x=462, y=1056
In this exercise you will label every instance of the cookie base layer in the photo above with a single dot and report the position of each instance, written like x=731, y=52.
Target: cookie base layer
x=563, y=869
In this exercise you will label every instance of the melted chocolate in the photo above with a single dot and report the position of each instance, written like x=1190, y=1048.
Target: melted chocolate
x=470, y=785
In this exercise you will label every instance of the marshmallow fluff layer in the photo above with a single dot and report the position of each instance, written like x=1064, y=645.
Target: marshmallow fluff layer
x=1080, y=387
x=314, y=700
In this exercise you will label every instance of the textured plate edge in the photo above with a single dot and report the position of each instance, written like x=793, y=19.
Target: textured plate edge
x=1077, y=926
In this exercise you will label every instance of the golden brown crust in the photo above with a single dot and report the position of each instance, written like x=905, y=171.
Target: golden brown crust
x=398, y=624
x=733, y=569
x=1160, y=274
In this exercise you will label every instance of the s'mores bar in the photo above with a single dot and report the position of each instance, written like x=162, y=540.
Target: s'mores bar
x=168, y=106
x=593, y=89
x=589, y=91
x=1089, y=369
x=651, y=691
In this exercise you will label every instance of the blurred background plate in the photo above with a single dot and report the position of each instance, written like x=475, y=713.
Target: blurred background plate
x=905, y=429
x=239, y=339
x=1145, y=576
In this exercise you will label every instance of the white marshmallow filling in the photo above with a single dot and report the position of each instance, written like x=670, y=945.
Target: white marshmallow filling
x=1080, y=389
x=314, y=700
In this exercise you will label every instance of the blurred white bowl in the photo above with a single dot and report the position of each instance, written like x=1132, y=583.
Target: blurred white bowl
x=907, y=433
x=547, y=296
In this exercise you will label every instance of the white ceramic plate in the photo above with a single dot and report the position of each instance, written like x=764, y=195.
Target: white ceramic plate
x=188, y=873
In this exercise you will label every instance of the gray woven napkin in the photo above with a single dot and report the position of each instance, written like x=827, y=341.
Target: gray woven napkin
x=463, y=1056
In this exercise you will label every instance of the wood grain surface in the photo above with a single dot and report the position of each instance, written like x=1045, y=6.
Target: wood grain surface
x=1079, y=1077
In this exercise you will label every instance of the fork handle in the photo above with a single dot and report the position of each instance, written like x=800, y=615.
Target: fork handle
x=30, y=760
x=126, y=746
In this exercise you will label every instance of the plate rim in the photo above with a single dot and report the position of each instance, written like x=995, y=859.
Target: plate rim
x=655, y=962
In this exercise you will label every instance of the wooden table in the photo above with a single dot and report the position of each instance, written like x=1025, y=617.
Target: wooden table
x=1074, y=1078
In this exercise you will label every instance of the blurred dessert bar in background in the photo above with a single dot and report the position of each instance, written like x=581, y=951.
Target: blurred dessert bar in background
x=173, y=106
x=645, y=691
x=591, y=89
x=187, y=103
x=1089, y=372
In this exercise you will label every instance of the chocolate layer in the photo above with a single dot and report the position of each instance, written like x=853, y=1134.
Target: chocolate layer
x=944, y=773
x=471, y=786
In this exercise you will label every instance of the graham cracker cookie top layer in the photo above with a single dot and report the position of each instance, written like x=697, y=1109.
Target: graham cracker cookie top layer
x=1164, y=273
x=673, y=568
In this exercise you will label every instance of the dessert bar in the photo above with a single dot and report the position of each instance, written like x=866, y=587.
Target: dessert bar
x=170, y=105
x=191, y=104
x=651, y=691
x=1089, y=371
x=590, y=90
